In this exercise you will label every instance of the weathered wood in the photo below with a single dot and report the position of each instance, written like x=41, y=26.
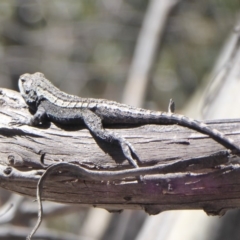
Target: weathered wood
x=204, y=175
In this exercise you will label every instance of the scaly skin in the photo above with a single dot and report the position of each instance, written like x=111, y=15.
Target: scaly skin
x=49, y=103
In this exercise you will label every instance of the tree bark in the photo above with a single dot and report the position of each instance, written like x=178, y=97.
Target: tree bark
x=199, y=173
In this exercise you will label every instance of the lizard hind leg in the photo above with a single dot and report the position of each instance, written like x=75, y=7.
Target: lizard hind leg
x=94, y=124
x=127, y=149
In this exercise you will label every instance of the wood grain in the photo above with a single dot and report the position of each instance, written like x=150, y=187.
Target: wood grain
x=203, y=174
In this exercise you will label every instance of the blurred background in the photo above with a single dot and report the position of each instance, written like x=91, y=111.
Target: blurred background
x=134, y=51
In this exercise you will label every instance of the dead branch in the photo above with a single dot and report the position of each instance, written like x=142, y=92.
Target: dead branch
x=149, y=39
x=224, y=79
x=188, y=170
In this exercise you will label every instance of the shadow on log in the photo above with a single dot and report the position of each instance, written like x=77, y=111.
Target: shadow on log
x=179, y=168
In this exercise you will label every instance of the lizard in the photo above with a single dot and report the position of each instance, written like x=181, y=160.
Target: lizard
x=51, y=104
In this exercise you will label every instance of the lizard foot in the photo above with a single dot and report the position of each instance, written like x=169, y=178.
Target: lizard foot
x=128, y=149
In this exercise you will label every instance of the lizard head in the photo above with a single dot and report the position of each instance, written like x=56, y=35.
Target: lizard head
x=28, y=85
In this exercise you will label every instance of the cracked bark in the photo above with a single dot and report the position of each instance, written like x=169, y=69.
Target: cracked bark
x=201, y=173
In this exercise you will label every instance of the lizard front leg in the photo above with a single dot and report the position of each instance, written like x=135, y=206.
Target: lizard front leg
x=94, y=124
x=35, y=120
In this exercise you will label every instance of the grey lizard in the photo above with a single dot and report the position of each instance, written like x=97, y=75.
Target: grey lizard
x=49, y=103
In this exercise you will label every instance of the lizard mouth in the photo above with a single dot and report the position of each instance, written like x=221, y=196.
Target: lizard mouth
x=22, y=82
x=20, y=85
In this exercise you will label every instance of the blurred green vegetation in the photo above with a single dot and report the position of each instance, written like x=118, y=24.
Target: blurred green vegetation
x=86, y=47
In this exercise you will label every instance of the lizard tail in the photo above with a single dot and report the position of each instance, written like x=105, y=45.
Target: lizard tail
x=205, y=129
